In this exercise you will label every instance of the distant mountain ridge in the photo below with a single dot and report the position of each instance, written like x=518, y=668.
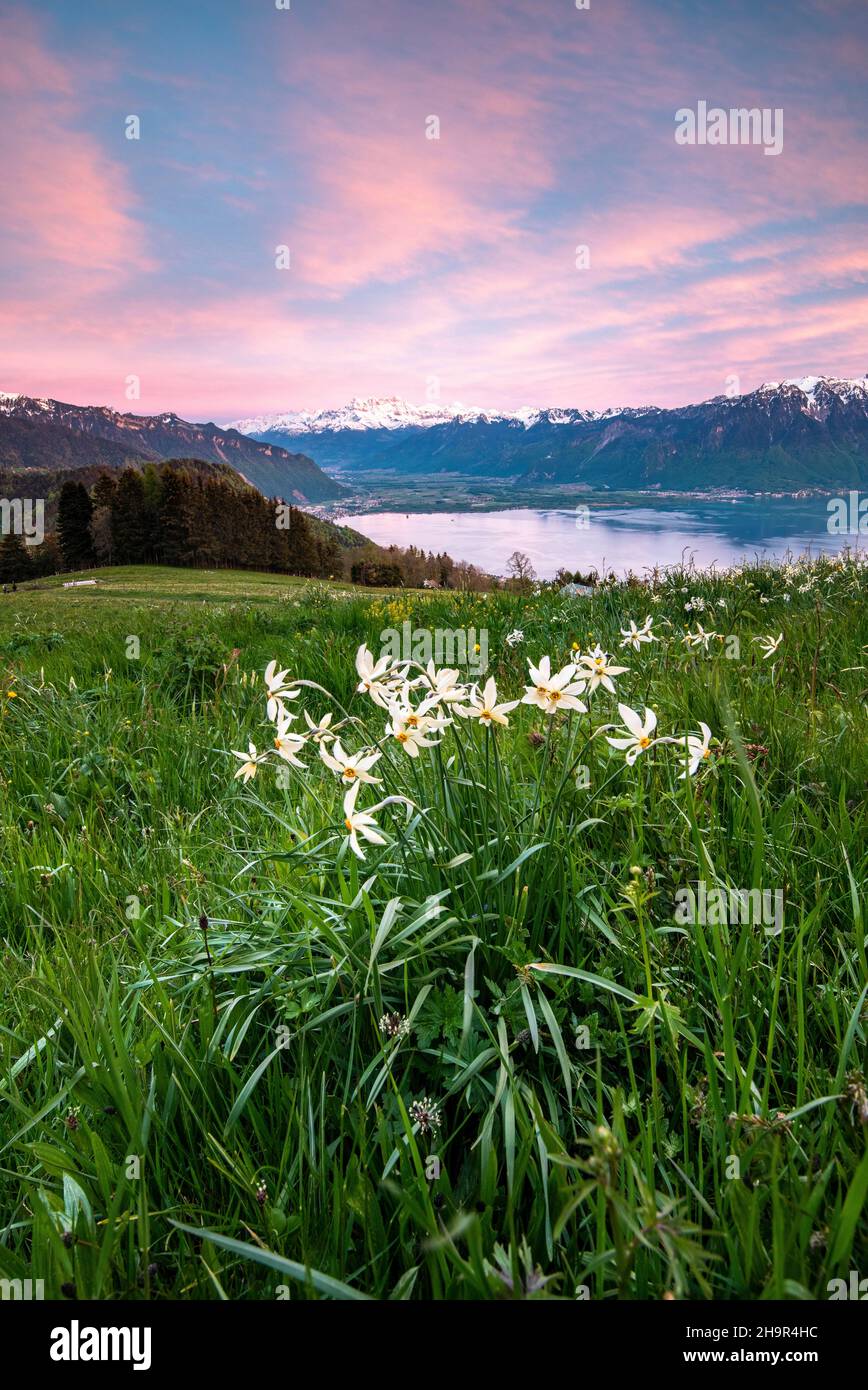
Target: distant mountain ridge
x=787, y=435
x=391, y=413
x=47, y=435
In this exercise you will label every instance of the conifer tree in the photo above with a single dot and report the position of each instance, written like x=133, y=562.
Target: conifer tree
x=15, y=563
x=131, y=521
x=303, y=557
x=102, y=497
x=175, y=541
x=74, y=513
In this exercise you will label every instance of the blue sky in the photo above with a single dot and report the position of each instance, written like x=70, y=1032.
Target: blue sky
x=426, y=267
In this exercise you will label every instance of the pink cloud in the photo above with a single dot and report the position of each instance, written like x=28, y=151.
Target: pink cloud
x=452, y=258
x=66, y=205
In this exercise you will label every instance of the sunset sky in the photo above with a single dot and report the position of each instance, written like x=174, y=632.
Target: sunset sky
x=416, y=259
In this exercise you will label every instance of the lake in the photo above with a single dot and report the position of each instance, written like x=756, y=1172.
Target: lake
x=620, y=538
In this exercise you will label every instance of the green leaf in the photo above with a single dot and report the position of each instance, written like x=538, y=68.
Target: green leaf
x=323, y=1283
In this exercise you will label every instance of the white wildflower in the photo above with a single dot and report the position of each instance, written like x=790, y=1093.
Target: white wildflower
x=553, y=693
x=598, y=670
x=639, y=733
x=635, y=636
x=696, y=750
x=249, y=762
x=350, y=767
x=769, y=644
x=278, y=690
x=485, y=708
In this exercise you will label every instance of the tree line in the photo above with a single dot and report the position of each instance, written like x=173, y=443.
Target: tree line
x=168, y=515
x=180, y=514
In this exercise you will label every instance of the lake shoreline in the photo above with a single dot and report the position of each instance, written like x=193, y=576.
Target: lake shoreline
x=373, y=499
x=625, y=535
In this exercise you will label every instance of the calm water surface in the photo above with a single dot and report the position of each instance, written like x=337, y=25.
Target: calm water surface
x=618, y=538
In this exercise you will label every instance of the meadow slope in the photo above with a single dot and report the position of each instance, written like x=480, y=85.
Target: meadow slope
x=488, y=1060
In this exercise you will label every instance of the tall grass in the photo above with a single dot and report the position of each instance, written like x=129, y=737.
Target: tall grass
x=197, y=1097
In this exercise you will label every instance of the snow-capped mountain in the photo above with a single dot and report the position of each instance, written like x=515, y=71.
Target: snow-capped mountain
x=803, y=432
x=392, y=413
x=362, y=413
x=809, y=385
x=821, y=393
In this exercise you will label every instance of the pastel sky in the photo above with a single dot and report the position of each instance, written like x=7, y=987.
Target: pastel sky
x=422, y=265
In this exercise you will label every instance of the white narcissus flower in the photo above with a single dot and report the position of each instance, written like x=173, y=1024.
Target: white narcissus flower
x=321, y=731
x=485, y=708
x=639, y=733
x=352, y=768
x=371, y=675
x=769, y=644
x=635, y=636
x=696, y=750
x=427, y=711
x=598, y=671
x=563, y=692
x=537, y=693
x=359, y=823
x=362, y=822
x=515, y=637
x=699, y=638
x=288, y=745
x=278, y=690
x=249, y=762
x=427, y=717
x=443, y=684
x=552, y=693
x=409, y=729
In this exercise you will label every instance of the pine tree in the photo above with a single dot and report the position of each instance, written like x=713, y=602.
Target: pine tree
x=74, y=513
x=132, y=530
x=175, y=544
x=303, y=556
x=46, y=558
x=330, y=560
x=102, y=496
x=14, y=561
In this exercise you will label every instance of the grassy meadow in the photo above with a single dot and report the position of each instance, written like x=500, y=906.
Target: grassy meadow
x=488, y=1059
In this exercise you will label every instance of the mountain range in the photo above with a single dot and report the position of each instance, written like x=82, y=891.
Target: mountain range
x=49, y=436
x=787, y=435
